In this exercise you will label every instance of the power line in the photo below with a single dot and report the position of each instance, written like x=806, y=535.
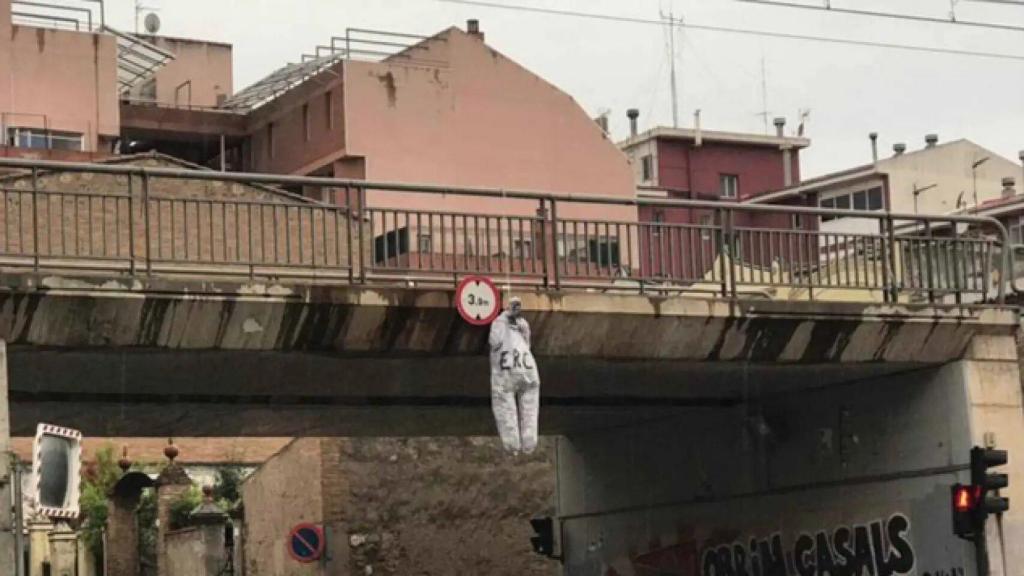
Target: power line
x=740, y=31
x=911, y=17
x=1004, y=2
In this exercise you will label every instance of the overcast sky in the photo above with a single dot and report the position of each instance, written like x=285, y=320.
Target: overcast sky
x=850, y=90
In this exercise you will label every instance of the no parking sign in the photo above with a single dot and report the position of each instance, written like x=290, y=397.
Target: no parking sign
x=306, y=543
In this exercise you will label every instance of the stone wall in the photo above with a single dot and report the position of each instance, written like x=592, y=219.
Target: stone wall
x=391, y=506
x=283, y=492
x=440, y=506
x=195, y=551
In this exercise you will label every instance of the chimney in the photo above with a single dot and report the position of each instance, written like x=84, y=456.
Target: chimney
x=473, y=28
x=780, y=124
x=602, y=122
x=899, y=148
x=874, y=146
x=787, y=153
x=931, y=140
x=1008, y=189
x=633, y=114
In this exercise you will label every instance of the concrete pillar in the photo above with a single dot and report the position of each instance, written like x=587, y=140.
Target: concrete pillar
x=994, y=415
x=39, y=546
x=170, y=485
x=122, y=551
x=211, y=520
x=86, y=559
x=63, y=550
x=7, y=554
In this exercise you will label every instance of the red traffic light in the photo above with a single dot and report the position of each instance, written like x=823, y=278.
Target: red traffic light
x=965, y=498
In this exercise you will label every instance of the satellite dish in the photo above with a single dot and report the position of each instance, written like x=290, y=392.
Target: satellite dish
x=152, y=23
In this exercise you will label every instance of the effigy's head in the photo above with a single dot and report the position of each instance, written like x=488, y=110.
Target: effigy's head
x=515, y=306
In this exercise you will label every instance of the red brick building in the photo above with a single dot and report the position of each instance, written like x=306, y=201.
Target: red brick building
x=683, y=163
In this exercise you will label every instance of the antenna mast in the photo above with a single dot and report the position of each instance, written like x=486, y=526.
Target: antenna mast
x=672, y=21
x=764, y=95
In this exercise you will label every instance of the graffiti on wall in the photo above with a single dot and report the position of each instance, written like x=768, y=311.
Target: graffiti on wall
x=880, y=547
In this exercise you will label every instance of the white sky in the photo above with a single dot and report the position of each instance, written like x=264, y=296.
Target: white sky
x=850, y=90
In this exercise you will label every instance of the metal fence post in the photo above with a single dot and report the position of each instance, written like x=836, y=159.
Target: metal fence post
x=720, y=242
x=361, y=194
x=35, y=219
x=146, y=231
x=545, y=268
x=350, y=212
x=928, y=261
x=131, y=229
x=554, y=244
x=732, y=246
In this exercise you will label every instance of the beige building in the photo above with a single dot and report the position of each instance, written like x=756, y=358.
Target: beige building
x=936, y=179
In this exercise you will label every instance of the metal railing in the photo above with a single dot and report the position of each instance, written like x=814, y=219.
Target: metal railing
x=160, y=221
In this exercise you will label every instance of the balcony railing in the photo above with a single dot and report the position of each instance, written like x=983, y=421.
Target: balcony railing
x=134, y=220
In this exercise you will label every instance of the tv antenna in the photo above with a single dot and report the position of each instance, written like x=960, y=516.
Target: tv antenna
x=672, y=23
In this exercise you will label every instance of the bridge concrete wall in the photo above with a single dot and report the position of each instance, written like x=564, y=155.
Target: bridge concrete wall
x=286, y=360
x=820, y=481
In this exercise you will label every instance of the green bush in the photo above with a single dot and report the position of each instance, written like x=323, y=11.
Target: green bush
x=181, y=508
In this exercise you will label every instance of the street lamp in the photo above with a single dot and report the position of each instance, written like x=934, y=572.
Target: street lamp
x=917, y=192
x=974, y=177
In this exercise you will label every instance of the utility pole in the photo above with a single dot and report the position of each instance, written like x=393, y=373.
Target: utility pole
x=672, y=61
x=8, y=562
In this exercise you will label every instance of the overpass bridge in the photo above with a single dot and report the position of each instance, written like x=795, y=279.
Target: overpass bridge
x=714, y=386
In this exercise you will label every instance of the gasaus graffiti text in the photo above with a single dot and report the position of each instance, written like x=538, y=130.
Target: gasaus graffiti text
x=878, y=548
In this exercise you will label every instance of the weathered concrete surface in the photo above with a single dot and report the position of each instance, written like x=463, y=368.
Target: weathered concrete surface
x=423, y=506
x=201, y=358
x=69, y=313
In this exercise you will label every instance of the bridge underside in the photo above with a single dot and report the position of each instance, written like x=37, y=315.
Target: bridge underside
x=156, y=357
x=245, y=393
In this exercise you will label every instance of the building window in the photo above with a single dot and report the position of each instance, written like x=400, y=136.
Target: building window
x=729, y=185
x=706, y=223
x=305, y=122
x=868, y=200
x=647, y=168
x=875, y=199
x=390, y=245
x=860, y=200
x=270, y=140
x=658, y=218
x=523, y=249
x=605, y=252
x=329, y=109
x=426, y=244
x=44, y=139
x=797, y=221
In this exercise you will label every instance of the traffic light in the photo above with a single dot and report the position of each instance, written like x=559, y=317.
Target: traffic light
x=543, y=540
x=965, y=502
x=981, y=460
x=972, y=503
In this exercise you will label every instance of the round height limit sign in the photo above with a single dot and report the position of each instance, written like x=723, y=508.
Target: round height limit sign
x=478, y=300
